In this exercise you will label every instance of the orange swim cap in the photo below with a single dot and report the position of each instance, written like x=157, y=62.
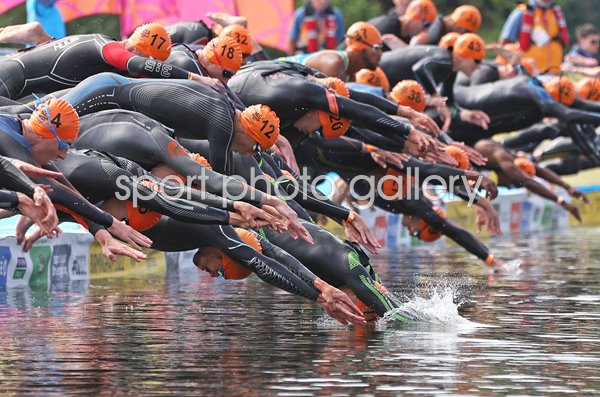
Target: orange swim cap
x=390, y=187
x=140, y=218
x=375, y=78
x=233, y=270
x=470, y=46
x=332, y=124
x=198, y=159
x=427, y=233
x=423, y=10
x=62, y=118
x=152, y=40
x=262, y=124
x=467, y=17
x=241, y=35
x=525, y=165
x=448, y=39
x=409, y=93
x=589, y=89
x=459, y=155
x=225, y=52
x=561, y=89
x=362, y=35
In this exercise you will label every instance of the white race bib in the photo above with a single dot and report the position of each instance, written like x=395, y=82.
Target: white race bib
x=540, y=37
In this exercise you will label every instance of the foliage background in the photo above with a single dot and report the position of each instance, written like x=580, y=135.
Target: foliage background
x=494, y=14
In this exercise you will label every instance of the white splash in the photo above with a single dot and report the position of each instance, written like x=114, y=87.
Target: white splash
x=438, y=310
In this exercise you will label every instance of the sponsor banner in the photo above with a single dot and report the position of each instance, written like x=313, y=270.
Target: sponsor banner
x=70, y=257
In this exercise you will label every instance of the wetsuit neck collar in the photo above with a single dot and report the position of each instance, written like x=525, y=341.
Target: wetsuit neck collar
x=13, y=127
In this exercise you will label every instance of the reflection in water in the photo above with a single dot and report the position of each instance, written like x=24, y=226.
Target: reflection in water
x=529, y=333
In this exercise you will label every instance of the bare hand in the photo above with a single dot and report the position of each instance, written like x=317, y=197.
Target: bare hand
x=385, y=157
x=476, y=117
x=423, y=142
x=578, y=195
x=393, y=41
x=225, y=19
x=421, y=121
x=337, y=305
x=31, y=239
x=41, y=200
x=111, y=247
x=573, y=210
x=358, y=231
x=474, y=156
x=294, y=227
x=252, y=215
x=486, y=215
x=489, y=185
x=38, y=214
x=129, y=235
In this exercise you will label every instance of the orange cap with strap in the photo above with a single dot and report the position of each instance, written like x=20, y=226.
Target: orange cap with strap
x=409, y=93
x=152, y=40
x=141, y=218
x=232, y=270
x=362, y=35
x=375, y=78
x=62, y=118
x=470, y=46
x=225, y=52
x=525, y=165
x=589, y=89
x=426, y=232
x=332, y=124
x=448, y=39
x=459, y=155
x=467, y=17
x=561, y=89
x=262, y=124
x=421, y=10
x=241, y=35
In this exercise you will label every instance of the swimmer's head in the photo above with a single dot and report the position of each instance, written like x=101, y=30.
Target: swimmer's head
x=448, y=40
x=589, y=89
x=418, y=17
x=261, y=124
x=459, y=155
x=216, y=263
x=467, y=53
x=242, y=36
x=467, y=18
x=223, y=58
x=420, y=229
x=364, y=38
x=409, y=93
x=332, y=124
x=55, y=123
x=152, y=40
x=375, y=78
x=561, y=89
x=526, y=166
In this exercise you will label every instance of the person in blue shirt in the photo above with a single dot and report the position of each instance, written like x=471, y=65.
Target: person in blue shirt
x=316, y=26
x=47, y=14
x=583, y=57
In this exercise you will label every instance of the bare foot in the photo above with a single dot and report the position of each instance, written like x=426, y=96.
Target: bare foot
x=225, y=19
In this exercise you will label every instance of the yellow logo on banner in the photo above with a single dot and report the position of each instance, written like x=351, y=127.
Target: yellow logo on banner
x=100, y=266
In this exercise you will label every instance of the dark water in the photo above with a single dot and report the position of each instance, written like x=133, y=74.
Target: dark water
x=532, y=333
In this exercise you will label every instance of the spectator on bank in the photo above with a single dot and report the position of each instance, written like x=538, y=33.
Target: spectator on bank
x=540, y=29
x=317, y=26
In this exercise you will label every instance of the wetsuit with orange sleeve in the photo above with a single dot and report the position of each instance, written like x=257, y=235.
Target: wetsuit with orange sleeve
x=288, y=91
x=64, y=63
x=147, y=142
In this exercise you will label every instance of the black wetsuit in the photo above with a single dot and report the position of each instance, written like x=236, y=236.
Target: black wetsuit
x=285, y=88
x=95, y=174
x=517, y=103
x=192, y=109
x=14, y=180
x=389, y=23
x=63, y=63
x=429, y=65
x=436, y=31
x=148, y=143
x=190, y=32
